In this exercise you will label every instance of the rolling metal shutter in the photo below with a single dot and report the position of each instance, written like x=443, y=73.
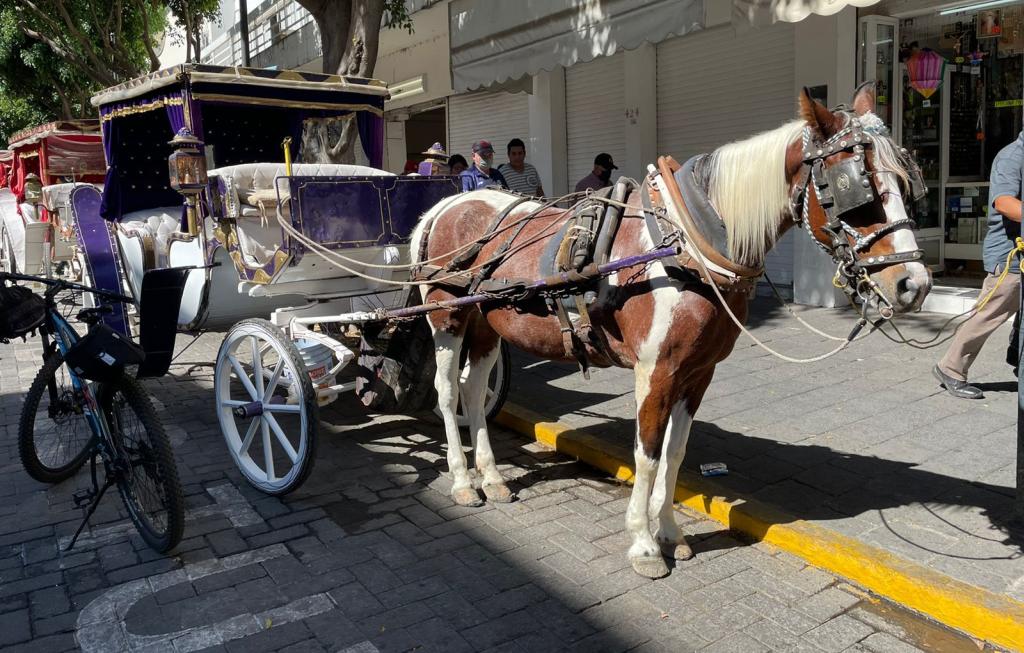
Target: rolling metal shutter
x=495, y=117
x=594, y=115
x=716, y=86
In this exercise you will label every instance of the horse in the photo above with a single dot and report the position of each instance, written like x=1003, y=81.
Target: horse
x=836, y=172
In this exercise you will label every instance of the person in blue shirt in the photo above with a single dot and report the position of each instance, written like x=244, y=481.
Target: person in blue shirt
x=1004, y=211
x=482, y=174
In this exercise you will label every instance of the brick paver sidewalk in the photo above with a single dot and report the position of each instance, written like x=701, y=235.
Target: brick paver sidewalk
x=865, y=443
x=371, y=555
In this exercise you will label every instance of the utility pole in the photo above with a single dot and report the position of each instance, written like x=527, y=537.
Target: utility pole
x=243, y=26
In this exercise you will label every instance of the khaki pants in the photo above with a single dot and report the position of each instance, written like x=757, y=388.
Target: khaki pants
x=968, y=341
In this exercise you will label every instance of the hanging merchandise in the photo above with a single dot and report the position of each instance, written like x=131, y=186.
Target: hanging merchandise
x=925, y=68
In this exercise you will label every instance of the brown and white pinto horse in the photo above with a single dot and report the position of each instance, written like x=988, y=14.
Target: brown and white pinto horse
x=670, y=332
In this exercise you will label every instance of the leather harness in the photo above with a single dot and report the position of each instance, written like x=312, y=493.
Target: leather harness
x=672, y=196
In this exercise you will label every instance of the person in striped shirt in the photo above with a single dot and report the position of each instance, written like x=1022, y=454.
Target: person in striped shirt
x=521, y=176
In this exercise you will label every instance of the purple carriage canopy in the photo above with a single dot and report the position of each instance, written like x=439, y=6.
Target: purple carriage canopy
x=242, y=114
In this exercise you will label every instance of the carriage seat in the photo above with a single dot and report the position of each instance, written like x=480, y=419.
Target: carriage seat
x=250, y=184
x=154, y=226
x=56, y=196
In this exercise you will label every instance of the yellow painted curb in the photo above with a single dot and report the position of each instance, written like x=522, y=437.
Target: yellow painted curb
x=983, y=614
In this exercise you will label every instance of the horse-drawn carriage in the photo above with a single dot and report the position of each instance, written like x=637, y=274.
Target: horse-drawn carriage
x=254, y=242
x=46, y=163
x=343, y=259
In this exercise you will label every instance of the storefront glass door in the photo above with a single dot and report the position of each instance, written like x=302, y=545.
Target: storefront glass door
x=959, y=99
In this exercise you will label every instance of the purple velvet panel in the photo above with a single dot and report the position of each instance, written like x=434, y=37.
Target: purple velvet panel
x=346, y=212
x=371, y=134
x=96, y=242
x=110, y=207
x=176, y=116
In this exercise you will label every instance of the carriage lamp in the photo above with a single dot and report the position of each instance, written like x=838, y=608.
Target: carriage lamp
x=187, y=165
x=187, y=168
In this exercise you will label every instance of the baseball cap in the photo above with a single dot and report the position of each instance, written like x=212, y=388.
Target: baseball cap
x=605, y=161
x=482, y=147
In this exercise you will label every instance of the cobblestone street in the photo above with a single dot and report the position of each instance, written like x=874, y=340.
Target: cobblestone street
x=372, y=555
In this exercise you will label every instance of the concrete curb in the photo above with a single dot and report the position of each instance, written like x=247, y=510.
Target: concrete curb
x=983, y=614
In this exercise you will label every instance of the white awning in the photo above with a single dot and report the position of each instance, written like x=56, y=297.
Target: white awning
x=765, y=12
x=494, y=42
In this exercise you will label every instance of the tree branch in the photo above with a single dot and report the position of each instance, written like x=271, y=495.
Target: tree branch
x=154, y=61
x=73, y=30
x=95, y=74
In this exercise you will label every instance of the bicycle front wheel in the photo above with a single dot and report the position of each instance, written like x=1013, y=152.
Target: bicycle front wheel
x=54, y=435
x=147, y=477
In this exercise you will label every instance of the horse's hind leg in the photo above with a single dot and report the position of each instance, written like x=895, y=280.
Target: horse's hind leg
x=447, y=346
x=653, y=399
x=483, y=347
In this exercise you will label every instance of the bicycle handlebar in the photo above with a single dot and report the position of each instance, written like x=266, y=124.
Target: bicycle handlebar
x=60, y=284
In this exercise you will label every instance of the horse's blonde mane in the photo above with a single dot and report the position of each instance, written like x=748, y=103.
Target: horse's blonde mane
x=748, y=189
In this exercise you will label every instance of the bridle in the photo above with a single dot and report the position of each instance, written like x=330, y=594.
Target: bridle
x=843, y=187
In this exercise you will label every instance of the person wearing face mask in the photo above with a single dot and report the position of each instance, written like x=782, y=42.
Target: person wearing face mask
x=600, y=176
x=481, y=174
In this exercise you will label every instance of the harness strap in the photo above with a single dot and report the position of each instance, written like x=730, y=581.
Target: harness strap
x=467, y=257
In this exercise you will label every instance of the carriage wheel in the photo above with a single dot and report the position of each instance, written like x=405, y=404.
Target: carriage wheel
x=497, y=385
x=266, y=406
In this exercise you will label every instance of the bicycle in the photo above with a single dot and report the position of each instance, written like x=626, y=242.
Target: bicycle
x=83, y=406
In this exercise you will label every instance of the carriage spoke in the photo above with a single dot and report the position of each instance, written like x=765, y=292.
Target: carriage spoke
x=268, y=453
x=282, y=408
x=272, y=383
x=247, y=441
x=257, y=366
x=232, y=403
x=288, y=448
x=243, y=377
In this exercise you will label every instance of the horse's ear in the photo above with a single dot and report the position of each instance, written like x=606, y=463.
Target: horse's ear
x=816, y=115
x=864, y=98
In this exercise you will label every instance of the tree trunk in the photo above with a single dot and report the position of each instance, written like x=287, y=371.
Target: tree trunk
x=349, y=38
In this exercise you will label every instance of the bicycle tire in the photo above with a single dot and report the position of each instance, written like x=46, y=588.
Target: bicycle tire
x=66, y=455
x=148, y=484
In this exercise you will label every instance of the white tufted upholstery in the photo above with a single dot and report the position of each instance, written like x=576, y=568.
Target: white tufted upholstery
x=157, y=224
x=29, y=212
x=56, y=196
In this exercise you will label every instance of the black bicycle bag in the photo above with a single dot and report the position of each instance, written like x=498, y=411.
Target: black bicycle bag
x=103, y=354
x=21, y=312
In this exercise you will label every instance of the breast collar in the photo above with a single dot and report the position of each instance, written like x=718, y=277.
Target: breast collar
x=842, y=188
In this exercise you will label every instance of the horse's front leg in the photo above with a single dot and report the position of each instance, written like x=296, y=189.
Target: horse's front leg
x=669, y=536
x=474, y=401
x=677, y=433
x=652, y=402
x=447, y=347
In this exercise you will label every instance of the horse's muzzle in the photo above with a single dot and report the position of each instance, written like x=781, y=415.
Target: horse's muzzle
x=905, y=286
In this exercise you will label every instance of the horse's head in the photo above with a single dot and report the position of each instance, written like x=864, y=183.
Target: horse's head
x=852, y=187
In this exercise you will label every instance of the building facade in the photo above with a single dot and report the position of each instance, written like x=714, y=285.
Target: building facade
x=639, y=78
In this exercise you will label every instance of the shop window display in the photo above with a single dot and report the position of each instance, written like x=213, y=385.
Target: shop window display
x=961, y=100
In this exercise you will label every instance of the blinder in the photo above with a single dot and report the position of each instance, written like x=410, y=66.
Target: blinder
x=849, y=183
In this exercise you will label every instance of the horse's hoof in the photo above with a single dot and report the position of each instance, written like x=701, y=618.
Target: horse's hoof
x=649, y=566
x=498, y=493
x=468, y=497
x=676, y=551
